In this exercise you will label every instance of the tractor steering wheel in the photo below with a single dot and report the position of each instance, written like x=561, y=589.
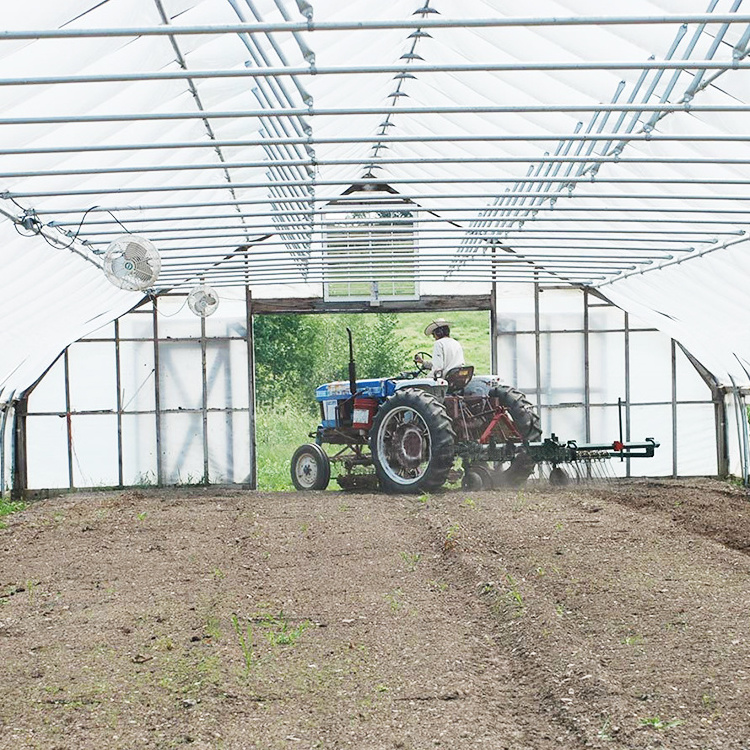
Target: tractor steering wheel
x=421, y=368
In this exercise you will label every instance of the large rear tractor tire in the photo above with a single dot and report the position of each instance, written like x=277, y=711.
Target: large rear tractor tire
x=528, y=424
x=412, y=442
x=311, y=468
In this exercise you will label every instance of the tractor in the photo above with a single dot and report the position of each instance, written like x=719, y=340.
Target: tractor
x=411, y=428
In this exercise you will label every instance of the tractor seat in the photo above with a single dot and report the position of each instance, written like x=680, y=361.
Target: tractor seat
x=459, y=377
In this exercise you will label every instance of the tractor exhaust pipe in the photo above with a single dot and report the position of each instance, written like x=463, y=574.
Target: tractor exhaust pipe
x=352, y=365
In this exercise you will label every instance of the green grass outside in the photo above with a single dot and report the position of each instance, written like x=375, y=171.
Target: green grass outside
x=7, y=507
x=280, y=430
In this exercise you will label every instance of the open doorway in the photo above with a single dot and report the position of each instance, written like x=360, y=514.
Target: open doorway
x=297, y=353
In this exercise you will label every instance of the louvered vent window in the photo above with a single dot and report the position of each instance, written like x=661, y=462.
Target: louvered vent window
x=371, y=254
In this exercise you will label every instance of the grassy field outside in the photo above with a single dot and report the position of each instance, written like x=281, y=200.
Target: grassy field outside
x=283, y=427
x=280, y=429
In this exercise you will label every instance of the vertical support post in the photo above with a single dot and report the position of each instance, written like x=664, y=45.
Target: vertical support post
x=118, y=401
x=586, y=368
x=157, y=396
x=253, y=476
x=673, y=349
x=627, y=388
x=722, y=434
x=537, y=350
x=3, y=419
x=204, y=399
x=19, y=470
x=3, y=422
x=494, y=364
x=718, y=397
x=68, y=418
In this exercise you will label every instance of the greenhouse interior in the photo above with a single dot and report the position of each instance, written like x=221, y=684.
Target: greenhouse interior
x=170, y=170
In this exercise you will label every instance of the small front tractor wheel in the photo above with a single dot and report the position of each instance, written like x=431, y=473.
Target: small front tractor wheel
x=311, y=468
x=412, y=442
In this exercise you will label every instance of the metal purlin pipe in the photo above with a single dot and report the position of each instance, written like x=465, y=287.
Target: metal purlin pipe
x=446, y=251
x=275, y=189
x=385, y=267
x=722, y=246
x=272, y=260
x=582, y=279
x=280, y=93
x=295, y=246
x=365, y=273
x=649, y=126
x=501, y=220
x=595, y=162
x=307, y=54
x=304, y=94
x=208, y=231
x=277, y=86
x=539, y=187
x=649, y=92
x=639, y=137
x=546, y=188
x=343, y=200
x=628, y=211
x=697, y=82
x=375, y=25
x=490, y=109
x=210, y=219
x=278, y=192
x=277, y=125
x=627, y=135
x=196, y=96
x=400, y=77
x=437, y=278
x=271, y=71
x=499, y=201
x=281, y=163
x=473, y=181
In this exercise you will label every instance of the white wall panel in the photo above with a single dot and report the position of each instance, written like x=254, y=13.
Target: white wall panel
x=182, y=448
x=139, y=464
x=229, y=457
x=91, y=373
x=47, y=452
x=94, y=441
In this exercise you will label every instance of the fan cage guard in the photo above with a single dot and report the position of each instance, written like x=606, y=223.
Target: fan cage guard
x=132, y=262
x=203, y=301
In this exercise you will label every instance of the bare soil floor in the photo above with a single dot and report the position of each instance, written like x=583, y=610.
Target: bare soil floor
x=611, y=616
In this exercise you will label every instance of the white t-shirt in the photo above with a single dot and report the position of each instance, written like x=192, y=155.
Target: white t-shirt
x=446, y=354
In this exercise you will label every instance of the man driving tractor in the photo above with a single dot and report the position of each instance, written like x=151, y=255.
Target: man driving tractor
x=447, y=353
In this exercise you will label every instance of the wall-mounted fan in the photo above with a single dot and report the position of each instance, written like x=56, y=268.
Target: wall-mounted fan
x=132, y=262
x=203, y=300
